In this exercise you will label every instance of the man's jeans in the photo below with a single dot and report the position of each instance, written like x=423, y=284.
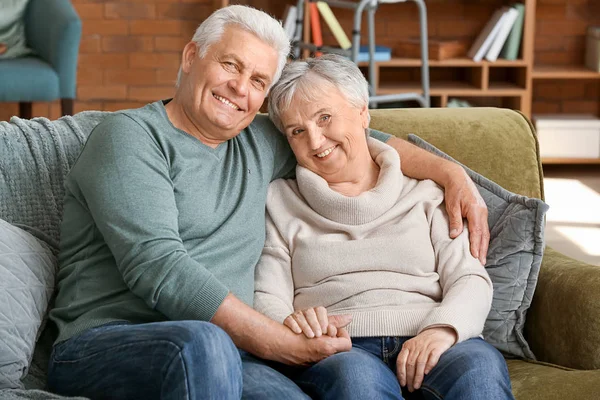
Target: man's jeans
x=470, y=370
x=164, y=360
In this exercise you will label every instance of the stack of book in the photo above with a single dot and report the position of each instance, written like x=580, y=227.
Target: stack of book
x=568, y=136
x=501, y=36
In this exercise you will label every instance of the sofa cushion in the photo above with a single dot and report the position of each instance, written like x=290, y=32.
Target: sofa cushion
x=533, y=380
x=12, y=29
x=27, y=272
x=513, y=262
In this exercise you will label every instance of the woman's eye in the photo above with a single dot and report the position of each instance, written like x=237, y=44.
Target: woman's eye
x=325, y=118
x=297, y=132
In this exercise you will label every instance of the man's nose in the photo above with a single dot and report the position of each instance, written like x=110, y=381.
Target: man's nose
x=239, y=84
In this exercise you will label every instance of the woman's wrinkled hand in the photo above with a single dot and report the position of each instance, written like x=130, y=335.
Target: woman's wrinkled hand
x=314, y=322
x=420, y=354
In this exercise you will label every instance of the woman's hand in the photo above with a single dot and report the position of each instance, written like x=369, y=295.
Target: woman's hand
x=314, y=322
x=420, y=354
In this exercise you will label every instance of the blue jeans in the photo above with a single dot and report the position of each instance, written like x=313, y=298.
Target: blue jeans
x=163, y=360
x=470, y=370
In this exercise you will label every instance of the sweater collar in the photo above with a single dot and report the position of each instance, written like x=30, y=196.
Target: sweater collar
x=365, y=207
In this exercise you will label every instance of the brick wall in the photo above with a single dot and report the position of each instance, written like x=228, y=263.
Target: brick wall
x=130, y=49
x=129, y=53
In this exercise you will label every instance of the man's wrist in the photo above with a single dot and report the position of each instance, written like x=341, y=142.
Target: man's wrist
x=450, y=172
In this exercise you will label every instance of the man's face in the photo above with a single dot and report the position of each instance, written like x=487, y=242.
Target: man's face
x=225, y=89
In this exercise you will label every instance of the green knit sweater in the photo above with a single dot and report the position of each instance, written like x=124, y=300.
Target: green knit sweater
x=158, y=226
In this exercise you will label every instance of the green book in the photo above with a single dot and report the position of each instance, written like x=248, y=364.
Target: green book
x=510, y=51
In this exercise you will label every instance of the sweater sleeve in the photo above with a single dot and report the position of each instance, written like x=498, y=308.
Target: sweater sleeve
x=466, y=286
x=123, y=179
x=274, y=285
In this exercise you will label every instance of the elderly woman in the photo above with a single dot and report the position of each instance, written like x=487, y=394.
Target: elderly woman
x=352, y=237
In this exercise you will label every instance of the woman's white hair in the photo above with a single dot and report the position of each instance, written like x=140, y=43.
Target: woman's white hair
x=307, y=79
x=254, y=21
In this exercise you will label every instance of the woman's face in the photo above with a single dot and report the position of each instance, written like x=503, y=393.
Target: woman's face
x=327, y=134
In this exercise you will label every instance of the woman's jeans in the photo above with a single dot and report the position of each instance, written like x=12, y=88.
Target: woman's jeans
x=472, y=369
x=164, y=360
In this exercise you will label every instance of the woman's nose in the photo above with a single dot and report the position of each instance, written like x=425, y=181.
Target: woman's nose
x=316, y=138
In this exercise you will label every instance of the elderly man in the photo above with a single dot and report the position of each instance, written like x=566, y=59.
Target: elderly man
x=164, y=223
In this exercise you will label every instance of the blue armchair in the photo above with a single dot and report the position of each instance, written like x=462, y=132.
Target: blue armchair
x=53, y=31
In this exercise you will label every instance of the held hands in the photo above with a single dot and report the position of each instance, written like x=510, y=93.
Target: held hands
x=420, y=354
x=314, y=322
x=323, y=337
x=463, y=200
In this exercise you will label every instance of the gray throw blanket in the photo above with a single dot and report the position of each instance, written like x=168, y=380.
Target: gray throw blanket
x=35, y=157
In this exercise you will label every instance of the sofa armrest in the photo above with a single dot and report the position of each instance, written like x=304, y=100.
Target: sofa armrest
x=53, y=30
x=563, y=323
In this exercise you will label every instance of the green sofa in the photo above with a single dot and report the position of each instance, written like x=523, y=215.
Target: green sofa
x=563, y=324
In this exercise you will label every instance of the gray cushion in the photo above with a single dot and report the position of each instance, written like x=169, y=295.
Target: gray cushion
x=12, y=28
x=513, y=261
x=27, y=272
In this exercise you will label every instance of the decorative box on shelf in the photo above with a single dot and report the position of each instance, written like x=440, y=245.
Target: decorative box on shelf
x=438, y=49
x=568, y=135
x=592, y=48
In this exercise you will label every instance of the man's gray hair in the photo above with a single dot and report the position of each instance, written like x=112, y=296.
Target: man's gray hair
x=309, y=78
x=254, y=21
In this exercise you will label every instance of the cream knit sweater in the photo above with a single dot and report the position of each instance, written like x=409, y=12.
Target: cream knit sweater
x=385, y=256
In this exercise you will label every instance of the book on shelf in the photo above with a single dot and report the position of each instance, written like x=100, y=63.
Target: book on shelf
x=508, y=20
x=382, y=53
x=334, y=25
x=592, y=48
x=485, y=38
x=510, y=51
x=290, y=15
x=315, y=27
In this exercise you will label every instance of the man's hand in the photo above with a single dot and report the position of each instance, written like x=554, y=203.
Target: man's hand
x=268, y=339
x=314, y=322
x=463, y=200
x=420, y=354
x=295, y=349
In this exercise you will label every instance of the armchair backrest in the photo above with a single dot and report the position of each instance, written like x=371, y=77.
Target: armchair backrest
x=498, y=143
x=53, y=31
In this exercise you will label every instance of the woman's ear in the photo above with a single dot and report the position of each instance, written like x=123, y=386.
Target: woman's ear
x=364, y=116
x=190, y=51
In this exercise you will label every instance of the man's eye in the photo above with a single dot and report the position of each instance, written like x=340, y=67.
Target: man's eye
x=259, y=83
x=229, y=66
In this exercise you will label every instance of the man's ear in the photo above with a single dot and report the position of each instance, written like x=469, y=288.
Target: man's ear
x=190, y=51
